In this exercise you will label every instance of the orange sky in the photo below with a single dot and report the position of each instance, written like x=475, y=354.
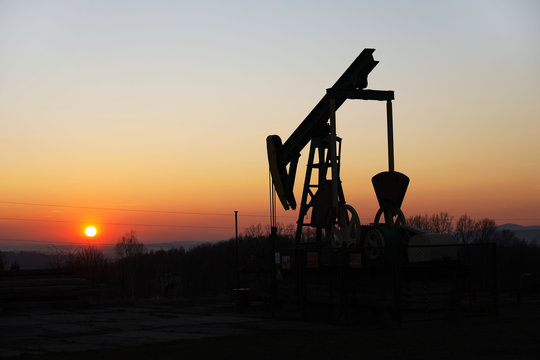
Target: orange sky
x=167, y=107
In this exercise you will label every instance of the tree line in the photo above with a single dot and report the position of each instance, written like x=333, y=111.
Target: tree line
x=465, y=229
x=210, y=270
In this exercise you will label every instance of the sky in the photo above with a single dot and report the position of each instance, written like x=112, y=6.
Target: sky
x=152, y=115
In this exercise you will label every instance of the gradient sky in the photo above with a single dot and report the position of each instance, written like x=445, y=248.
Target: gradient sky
x=109, y=106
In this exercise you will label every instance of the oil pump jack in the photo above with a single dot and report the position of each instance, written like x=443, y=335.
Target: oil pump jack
x=336, y=222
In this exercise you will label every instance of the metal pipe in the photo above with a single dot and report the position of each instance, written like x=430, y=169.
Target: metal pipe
x=390, y=128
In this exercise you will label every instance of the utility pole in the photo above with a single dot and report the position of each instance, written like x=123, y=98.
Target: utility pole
x=236, y=250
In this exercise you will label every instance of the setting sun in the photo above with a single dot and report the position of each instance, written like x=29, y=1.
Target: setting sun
x=90, y=231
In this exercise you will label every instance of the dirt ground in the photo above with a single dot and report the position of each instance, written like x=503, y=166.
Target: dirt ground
x=158, y=331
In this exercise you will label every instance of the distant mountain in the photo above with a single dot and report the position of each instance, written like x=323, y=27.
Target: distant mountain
x=47, y=257
x=527, y=233
x=28, y=260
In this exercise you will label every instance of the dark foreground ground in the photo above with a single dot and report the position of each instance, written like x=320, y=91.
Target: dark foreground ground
x=215, y=331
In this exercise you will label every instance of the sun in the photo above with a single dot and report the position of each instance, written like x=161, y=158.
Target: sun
x=90, y=231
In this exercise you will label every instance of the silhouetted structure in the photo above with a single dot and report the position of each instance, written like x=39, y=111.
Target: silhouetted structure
x=371, y=261
x=323, y=196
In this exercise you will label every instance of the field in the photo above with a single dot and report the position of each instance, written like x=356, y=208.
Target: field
x=216, y=331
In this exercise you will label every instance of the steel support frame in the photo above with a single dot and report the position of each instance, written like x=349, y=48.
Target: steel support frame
x=333, y=96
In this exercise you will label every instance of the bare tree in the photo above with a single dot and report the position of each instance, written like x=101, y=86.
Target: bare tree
x=260, y=231
x=129, y=251
x=129, y=246
x=89, y=257
x=465, y=228
x=437, y=223
x=471, y=231
x=254, y=231
x=287, y=230
x=486, y=230
x=441, y=223
x=89, y=262
x=419, y=221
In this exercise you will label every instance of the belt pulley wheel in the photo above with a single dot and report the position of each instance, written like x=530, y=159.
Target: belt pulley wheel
x=346, y=231
x=374, y=244
x=390, y=218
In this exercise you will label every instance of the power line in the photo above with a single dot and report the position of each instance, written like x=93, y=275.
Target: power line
x=46, y=242
x=454, y=216
x=120, y=224
x=192, y=213
x=127, y=210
